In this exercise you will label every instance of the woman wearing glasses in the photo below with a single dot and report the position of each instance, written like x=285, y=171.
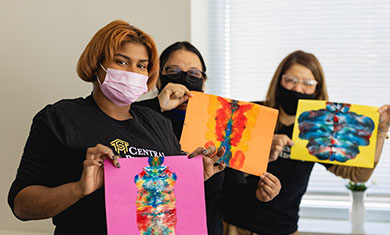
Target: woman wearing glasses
x=299, y=76
x=182, y=69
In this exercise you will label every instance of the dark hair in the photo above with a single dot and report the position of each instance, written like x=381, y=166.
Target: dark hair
x=177, y=46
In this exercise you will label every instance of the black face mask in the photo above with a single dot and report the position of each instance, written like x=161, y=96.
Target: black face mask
x=192, y=83
x=288, y=99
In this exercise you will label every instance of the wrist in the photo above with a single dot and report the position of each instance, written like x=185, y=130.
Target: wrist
x=78, y=190
x=383, y=132
x=383, y=135
x=161, y=102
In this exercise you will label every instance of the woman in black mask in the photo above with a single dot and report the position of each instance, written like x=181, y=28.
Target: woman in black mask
x=299, y=76
x=182, y=69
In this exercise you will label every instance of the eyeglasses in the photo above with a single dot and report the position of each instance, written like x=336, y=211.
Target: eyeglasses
x=292, y=81
x=192, y=73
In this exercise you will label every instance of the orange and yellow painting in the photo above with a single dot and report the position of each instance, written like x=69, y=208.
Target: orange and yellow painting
x=244, y=129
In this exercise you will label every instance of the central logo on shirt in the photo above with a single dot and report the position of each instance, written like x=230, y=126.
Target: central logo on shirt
x=120, y=146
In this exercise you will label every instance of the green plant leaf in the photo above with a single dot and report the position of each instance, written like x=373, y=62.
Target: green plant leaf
x=356, y=186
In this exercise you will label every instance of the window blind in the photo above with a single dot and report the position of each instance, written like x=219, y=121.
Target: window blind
x=351, y=39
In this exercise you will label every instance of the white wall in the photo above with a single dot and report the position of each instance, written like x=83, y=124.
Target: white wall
x=200, y=27
x=40, y=44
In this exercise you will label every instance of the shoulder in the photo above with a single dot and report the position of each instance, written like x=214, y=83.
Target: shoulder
x=146, y=113
x=62, y=108
x=71, y=104
x=150, y=103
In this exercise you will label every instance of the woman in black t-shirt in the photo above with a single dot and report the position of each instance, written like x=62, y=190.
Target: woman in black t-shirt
x=61, y=170
x=182, y=69
x=299, y=76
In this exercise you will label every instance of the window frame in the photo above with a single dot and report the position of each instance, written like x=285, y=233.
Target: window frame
x=200, y=34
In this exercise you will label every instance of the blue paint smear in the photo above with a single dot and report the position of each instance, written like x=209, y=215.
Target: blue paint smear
x=335, y=133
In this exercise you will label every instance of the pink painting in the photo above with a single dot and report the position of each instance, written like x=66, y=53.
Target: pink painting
x=155, y=195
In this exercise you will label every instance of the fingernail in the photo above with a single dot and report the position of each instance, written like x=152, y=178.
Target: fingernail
x=114, y=157
x=101, y=162
x=222, y=162
x=118, y=165
x=191, y=155
x=205, y=151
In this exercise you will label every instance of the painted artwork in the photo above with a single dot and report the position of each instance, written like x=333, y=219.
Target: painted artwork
x=244, y=129
x=156, y=201
x=155, y=195
x=335, y=133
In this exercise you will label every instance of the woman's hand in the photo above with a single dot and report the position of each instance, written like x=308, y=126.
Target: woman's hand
x=172, y=96
x=92, y=176
x=384, y=120
x=278, y=143
x=40, y=202
x=209, y=159
x=268, y=187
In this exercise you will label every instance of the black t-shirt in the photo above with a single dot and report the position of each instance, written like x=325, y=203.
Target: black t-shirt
x=279, y=216
x=213, y=186
x=57, y=144
x=175, y=116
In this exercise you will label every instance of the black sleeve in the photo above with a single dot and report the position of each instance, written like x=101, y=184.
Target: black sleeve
x=237, y=191
x=160, y=125
x=151, y=103
x=213, y=190
x=172, y=137
x=234, y=177
x=36, y=165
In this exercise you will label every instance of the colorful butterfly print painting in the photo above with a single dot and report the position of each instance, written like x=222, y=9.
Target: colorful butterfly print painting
x=227, y=126
x=156, y=201
x=336, y=134
x=156, y=195
x=245, y=130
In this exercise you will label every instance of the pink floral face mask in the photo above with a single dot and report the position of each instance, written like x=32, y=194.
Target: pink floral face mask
x=122, y=87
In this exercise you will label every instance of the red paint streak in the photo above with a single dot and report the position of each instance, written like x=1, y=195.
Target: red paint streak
x=238, y=160
x=208, y=144
x=224, y=114
x=239, y=124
